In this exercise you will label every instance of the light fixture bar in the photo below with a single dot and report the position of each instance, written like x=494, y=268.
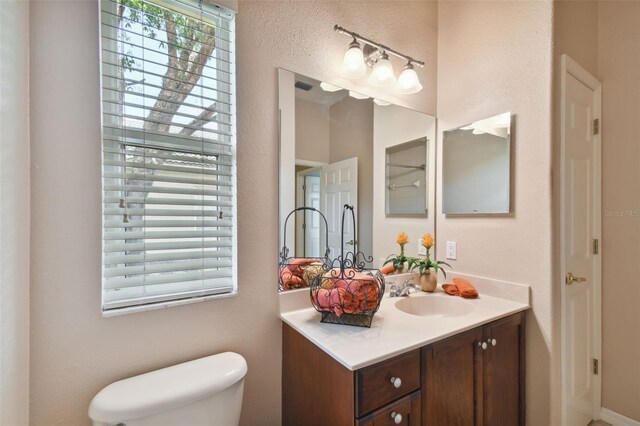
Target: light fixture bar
x=379, y=46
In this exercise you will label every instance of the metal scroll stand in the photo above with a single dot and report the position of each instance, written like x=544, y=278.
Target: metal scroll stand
x=348, y=274
x=284, y=252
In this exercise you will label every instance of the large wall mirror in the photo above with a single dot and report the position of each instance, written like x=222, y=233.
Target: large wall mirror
x=334, y=148
x=476, y=161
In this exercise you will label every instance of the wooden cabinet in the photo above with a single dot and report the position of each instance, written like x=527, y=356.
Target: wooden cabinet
x=473, y=378
x=477, y=377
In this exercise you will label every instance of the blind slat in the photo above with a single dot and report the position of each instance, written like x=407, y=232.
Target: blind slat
x=201, y=129
x=123, y=282
x=156, y=178
x=166, y=256
x=221, y=111
x=159, y=212
x=165, y=140
x=115, y=247
x=157, y=235
x=114, y=224
x=174, y=266
x=168, y=201
x=150, y=166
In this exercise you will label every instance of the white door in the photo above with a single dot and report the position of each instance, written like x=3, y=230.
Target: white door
x=339, y=186
x=580, y=236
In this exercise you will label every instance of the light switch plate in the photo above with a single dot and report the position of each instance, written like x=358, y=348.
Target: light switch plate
x=452, y=250
x=422, y=251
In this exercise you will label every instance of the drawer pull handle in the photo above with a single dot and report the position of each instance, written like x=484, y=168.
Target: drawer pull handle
x=396, y=417
x=396, y=382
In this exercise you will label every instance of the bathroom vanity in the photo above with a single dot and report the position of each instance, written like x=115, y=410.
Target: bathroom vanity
x=455, y=362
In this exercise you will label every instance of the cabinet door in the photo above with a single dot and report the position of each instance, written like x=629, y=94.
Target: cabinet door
x=449, y=386
x=503, y=372
x=405, y=411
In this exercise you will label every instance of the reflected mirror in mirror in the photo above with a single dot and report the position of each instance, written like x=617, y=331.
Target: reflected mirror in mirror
x=333, y=146
x=406, y=184
x=476, y=167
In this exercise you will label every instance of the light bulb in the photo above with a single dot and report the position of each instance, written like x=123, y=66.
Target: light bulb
x=408, y=82
x=382, y=74
x=353, y=65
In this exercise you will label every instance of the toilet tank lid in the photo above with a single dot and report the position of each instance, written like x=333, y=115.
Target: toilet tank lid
x=167, y=388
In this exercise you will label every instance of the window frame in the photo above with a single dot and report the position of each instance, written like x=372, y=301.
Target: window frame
x=227, y=59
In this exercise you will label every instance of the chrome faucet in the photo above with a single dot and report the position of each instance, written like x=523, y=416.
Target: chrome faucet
x=403, y=290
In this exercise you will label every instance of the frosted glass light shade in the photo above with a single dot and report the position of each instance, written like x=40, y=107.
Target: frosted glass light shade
x=357, y=95
x=329, y=87
x=408, y=82
x=381, y=102
x=353, y=65
x=382, y=74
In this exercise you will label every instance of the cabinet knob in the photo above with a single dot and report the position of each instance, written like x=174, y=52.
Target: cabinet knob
x=396, y=382
x=396, y=417
x=484, y=346
x=494, y=342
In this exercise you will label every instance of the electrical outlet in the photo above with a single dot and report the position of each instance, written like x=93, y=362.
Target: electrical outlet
x=422, y=251
x=452, y=250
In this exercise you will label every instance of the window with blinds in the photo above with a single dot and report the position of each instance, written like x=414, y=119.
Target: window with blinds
x=169, y=165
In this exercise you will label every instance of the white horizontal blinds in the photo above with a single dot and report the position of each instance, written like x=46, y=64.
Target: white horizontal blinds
x=168, y=151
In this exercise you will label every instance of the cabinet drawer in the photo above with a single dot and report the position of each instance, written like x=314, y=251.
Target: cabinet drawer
x=405, y=411
x=375, y=387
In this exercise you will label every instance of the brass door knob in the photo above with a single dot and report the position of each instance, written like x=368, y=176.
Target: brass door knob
x=570, y=279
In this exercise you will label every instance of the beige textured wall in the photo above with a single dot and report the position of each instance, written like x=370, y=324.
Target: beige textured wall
x=75, y=351
x=495, y=57
x=352, y=136
x=619, y=68
x=14, y=213
x=312, y=131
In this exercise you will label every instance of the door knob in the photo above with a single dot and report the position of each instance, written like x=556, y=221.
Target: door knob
x=570, y=279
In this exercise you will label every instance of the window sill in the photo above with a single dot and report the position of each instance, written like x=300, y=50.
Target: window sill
x=163, y=305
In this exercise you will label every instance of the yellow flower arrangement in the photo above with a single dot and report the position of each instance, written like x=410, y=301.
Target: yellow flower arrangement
x=427, y=240
x=399, y=261
x=402, y=238
x=426, y=264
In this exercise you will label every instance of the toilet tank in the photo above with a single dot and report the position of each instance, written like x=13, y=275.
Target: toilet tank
x=205, y=391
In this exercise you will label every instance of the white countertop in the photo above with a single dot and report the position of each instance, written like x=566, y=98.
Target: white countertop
x=393, y=331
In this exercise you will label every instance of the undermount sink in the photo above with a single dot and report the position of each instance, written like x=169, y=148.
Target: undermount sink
x=435, y=306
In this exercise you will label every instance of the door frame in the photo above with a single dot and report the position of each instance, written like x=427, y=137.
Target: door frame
x=300, y=181
x=569, y=67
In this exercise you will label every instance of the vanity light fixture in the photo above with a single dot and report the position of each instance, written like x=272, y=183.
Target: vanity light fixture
x=329, y=87
x=376, y=56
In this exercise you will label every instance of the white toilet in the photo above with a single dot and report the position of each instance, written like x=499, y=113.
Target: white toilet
x=206, y=391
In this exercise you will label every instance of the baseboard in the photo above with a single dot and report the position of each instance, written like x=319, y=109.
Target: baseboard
x=616, y=419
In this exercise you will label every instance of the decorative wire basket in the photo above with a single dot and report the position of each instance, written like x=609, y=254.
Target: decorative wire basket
x=346, y=292
x=299, y=272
